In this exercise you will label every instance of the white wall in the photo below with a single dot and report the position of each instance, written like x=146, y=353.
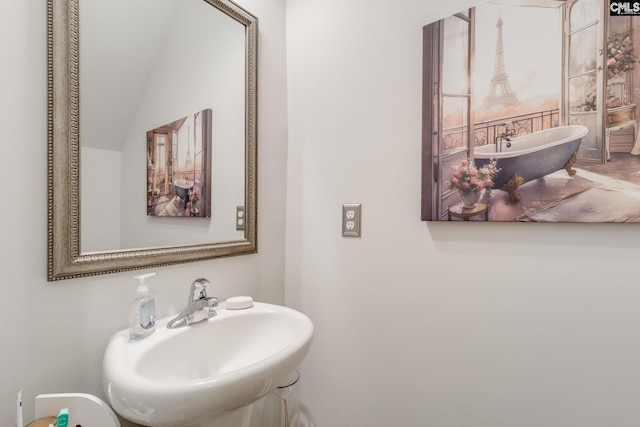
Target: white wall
x=54, y=334
x=416, y=324
x=434, y=324
x=100, y=199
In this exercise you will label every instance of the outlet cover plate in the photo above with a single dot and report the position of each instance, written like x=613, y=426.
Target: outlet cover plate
x=351, y=215
x=240, y=219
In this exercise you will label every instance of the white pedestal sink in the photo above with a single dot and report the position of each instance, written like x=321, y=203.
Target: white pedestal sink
x=205, y=373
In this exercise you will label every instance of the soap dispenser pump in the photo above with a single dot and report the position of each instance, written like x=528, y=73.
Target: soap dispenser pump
x=142, y=313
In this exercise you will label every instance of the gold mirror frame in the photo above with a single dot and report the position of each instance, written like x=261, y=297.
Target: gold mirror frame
x=65, y=261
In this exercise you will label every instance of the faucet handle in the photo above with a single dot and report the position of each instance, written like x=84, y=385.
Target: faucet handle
x=199, y=289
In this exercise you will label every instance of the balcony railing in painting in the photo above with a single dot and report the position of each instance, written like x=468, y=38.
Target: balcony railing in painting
x=485, y=132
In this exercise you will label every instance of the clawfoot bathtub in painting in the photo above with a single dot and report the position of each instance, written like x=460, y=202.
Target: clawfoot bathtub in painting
x=532, y=156
x=182, y=188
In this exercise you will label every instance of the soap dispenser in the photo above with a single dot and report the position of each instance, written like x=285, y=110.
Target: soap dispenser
x=142, y=314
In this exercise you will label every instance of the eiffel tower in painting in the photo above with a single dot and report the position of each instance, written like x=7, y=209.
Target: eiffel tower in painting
x=500, y=92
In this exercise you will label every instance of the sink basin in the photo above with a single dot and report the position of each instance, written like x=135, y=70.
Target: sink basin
x=192, y=375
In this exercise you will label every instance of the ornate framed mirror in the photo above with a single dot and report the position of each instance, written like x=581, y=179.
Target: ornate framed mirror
x=152, y=134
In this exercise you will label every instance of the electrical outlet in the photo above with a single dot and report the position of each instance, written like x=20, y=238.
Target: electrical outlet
x=240, y=219
x=351, y=213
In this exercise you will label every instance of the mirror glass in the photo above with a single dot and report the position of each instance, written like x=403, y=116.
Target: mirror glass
x=146, y=64
x=152, y=145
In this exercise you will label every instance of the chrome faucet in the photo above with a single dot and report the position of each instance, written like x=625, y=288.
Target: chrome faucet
x=504, y=136
x=199, y=306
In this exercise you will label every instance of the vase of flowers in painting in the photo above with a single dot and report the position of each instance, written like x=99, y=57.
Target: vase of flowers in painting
x=194, y=197
x=469, y=198
x=469, y=181
x=620, y=55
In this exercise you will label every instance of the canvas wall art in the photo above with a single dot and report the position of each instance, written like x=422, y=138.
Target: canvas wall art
x=530, y=113
x=179, y=167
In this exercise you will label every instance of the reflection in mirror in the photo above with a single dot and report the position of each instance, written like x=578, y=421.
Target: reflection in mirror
x=178, y=165
x=145, y=64
x=152, y=139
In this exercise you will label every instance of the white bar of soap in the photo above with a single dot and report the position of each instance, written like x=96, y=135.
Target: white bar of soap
x=239, y=303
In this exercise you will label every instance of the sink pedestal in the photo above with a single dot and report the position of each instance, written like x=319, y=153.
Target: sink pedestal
x=243, y=417
x=249, y=416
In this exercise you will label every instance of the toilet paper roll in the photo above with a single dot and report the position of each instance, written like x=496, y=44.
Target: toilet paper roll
x=42, y=422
